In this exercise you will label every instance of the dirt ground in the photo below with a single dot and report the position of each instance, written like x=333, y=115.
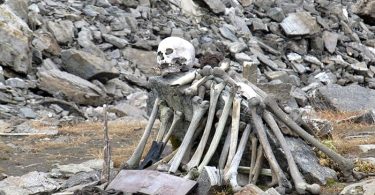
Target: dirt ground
x=73, y=144
x=76, y=143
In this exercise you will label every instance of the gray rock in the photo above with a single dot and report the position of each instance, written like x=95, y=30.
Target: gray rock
x=19, y=7
x=300, y=96
x=308, y=163
x=16, y=83
x=326, y=78
x=62, y=30
x=87, y=166
x=118, y=89
x=277, y=75
x=360, y=67
x=81, y=178
x=330, y=41
x=300, y=23
x=227, y=32
x=258, y=25
x=276, y=14
x=14, y=43
x=87, y=66
x=366, y=9
x=352, y=98
x=103, y=3
x=44, y=41
x=366, y=187
x=237, y=47
x=116, y=41
x=31, y=183
x=125, y=109
x=216, y=6
x=144, y=60
x=208, y=179
x=71, y=87
x=27, y=113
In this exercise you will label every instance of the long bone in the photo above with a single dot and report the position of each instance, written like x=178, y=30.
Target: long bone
x=235, y=129
x=345, y=164
x=254, y=144
x=202, y=91
x=300, y=184
x=157, y=145
x=185, y=79
x=193, y=89
x=165, y=117
x=199, y=109
x=214, y=96
x=255, y=172
x=224, y=151
x=134, y=160
x=262, y=136
x=176, y=118
x=231, y=174
x=219, y=130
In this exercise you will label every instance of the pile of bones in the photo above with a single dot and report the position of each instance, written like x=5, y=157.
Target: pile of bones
x=254, y=115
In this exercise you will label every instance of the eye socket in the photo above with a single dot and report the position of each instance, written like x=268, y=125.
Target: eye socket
x=168, y=51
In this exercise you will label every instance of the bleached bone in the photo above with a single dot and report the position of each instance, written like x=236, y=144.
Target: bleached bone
x=257, y=166
x=224, y=151
x=300, y=184
x=235, y=129
x=214, y=96
x=231, y=174
x=193, y=89
x=201, y=91
x=254, y=144
x=185, y=79
x=244, y=89
x=163, y=160
x=265, y=172
x=134, y=160
x=346, y=165
x=165, y=117
x=199, y=109
x=175, y=53
x=219, y=130
x=262, y=136
x=176, y=118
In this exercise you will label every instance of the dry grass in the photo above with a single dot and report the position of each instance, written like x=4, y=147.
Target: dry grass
x=345, y=128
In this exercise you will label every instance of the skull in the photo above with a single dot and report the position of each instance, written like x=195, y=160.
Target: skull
x=175, y=55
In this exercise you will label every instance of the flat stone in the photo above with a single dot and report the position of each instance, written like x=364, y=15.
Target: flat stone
x=27, y=113
x=125, y=109
x=116, y=41
x=81, y=178
x=277, y=75
x=145, y=60
x=46, y=42
x=151, y=182
x=14, y=43
x=330, y=41
x=227, y=33
x=326, y=77
x=237, y=47
x=300, y=23
x=367, y=147
x=360, y=67
x=352, y=98
x=71, y=87
x=16, y=82
x=366, y=187
x=308, y=163
x=62, y=30
x=87, y=66
x=32, y=183
x=216, y=6
x=87, y=166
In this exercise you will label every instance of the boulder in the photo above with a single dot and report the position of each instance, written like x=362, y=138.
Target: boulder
x=14, y=42
x=71, y=87
x=352, y=98
x=87, y=66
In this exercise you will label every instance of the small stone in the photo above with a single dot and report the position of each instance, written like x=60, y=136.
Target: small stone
x=330, y=41
x=366, y=187
x=276, y=14
x=258, y=25
x=237, y=47
x=360, y=67
x=216, y=6
x=116, y=41
x=227, y=33
x=278, y=75
x=300, y=23
x=241, y=57
x=326, y=78
x=62, y=30
x=27, y=113
x=16, y=82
